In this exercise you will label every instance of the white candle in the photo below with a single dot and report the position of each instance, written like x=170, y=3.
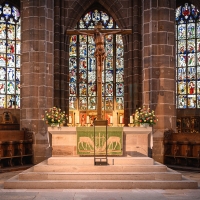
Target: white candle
x=131, y=119
x=70, y=119
x=111, y=119
x=120, y=119
x=77, y=119
x=87, y=120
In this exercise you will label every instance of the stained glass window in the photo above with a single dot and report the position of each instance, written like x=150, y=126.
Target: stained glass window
x=188, y=56
x=10, y=36
x=82, y=67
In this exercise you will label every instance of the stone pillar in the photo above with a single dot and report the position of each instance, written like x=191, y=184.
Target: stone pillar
x=61, y=69
x=159, y=68
x=37, y=71
x=132, y=62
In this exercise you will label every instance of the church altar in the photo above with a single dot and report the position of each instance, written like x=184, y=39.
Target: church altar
x=66, y=141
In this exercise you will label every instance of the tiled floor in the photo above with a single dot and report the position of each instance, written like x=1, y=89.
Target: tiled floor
x=88, y=194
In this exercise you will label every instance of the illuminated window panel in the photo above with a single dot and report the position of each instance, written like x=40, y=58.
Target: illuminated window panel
x=83, y=72
x=188, y=56
x=120, y=103
x=73, y=103
x=198, y=101
x=109, y=103
x=10, y=50
x=92, y=103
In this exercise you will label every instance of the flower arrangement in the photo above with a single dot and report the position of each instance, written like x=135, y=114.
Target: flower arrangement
x=144, y=115
x=54, y=116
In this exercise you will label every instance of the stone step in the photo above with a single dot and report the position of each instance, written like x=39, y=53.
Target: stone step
x=14, y=183
x=100, y=176
x=97, y=168
x=81, y=173
x=90, y=161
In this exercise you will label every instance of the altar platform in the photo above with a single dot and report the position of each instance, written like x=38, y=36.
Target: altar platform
x=131, y=170
x=81, y=173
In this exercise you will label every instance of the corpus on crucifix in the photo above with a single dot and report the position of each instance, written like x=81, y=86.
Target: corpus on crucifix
x=100, y=54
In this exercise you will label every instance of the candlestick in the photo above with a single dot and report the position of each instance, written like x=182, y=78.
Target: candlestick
x=131, y=119
x=87, y=120
x=111, y=119
x=120, y=119
x=70, y=119
x=77, y=119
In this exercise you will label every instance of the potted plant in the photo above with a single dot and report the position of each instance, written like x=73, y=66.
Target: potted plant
x=55, y=117
x=145, y=117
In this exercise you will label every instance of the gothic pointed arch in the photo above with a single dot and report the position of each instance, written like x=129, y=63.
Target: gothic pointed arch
x=115, y=9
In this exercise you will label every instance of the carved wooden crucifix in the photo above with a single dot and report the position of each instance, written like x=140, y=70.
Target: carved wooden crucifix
x=98, y=33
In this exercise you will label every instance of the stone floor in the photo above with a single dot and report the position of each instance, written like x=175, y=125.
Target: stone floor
x=73, y=194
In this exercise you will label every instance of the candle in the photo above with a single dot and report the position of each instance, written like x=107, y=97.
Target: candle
x=131, y=119
x=87, y=120
x=70, y=119
x=111, y=119
x=120, y=119
x=77, y=119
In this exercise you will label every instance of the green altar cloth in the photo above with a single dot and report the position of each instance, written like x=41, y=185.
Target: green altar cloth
x=85, y=140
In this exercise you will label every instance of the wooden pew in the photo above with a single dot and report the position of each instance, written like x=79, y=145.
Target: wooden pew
x=15, y=148
x=183, y=149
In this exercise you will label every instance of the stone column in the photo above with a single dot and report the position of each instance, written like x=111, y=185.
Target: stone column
x=37, y=71
x=159, y=68
x=132, y=62
x=61, y=70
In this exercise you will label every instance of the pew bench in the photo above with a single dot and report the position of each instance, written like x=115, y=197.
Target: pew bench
x=185, y=153
x=15, y=148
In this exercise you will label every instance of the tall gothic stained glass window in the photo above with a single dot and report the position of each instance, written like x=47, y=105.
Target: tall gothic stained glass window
x=10, y=36
x=188, y=56
x=82, y=68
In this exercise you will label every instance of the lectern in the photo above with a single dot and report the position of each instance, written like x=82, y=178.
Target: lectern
x=100, y=142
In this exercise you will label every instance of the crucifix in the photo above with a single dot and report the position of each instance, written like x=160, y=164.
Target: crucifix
x=98, y=33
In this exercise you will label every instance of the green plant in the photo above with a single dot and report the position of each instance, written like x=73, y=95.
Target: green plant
x=54, y=116
x=144, y=115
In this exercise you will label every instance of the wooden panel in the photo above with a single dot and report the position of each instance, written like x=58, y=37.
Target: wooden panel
x=9, y=127
x=183, y=149
x=100, y=122
x=181, y=137
x=9, y=135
